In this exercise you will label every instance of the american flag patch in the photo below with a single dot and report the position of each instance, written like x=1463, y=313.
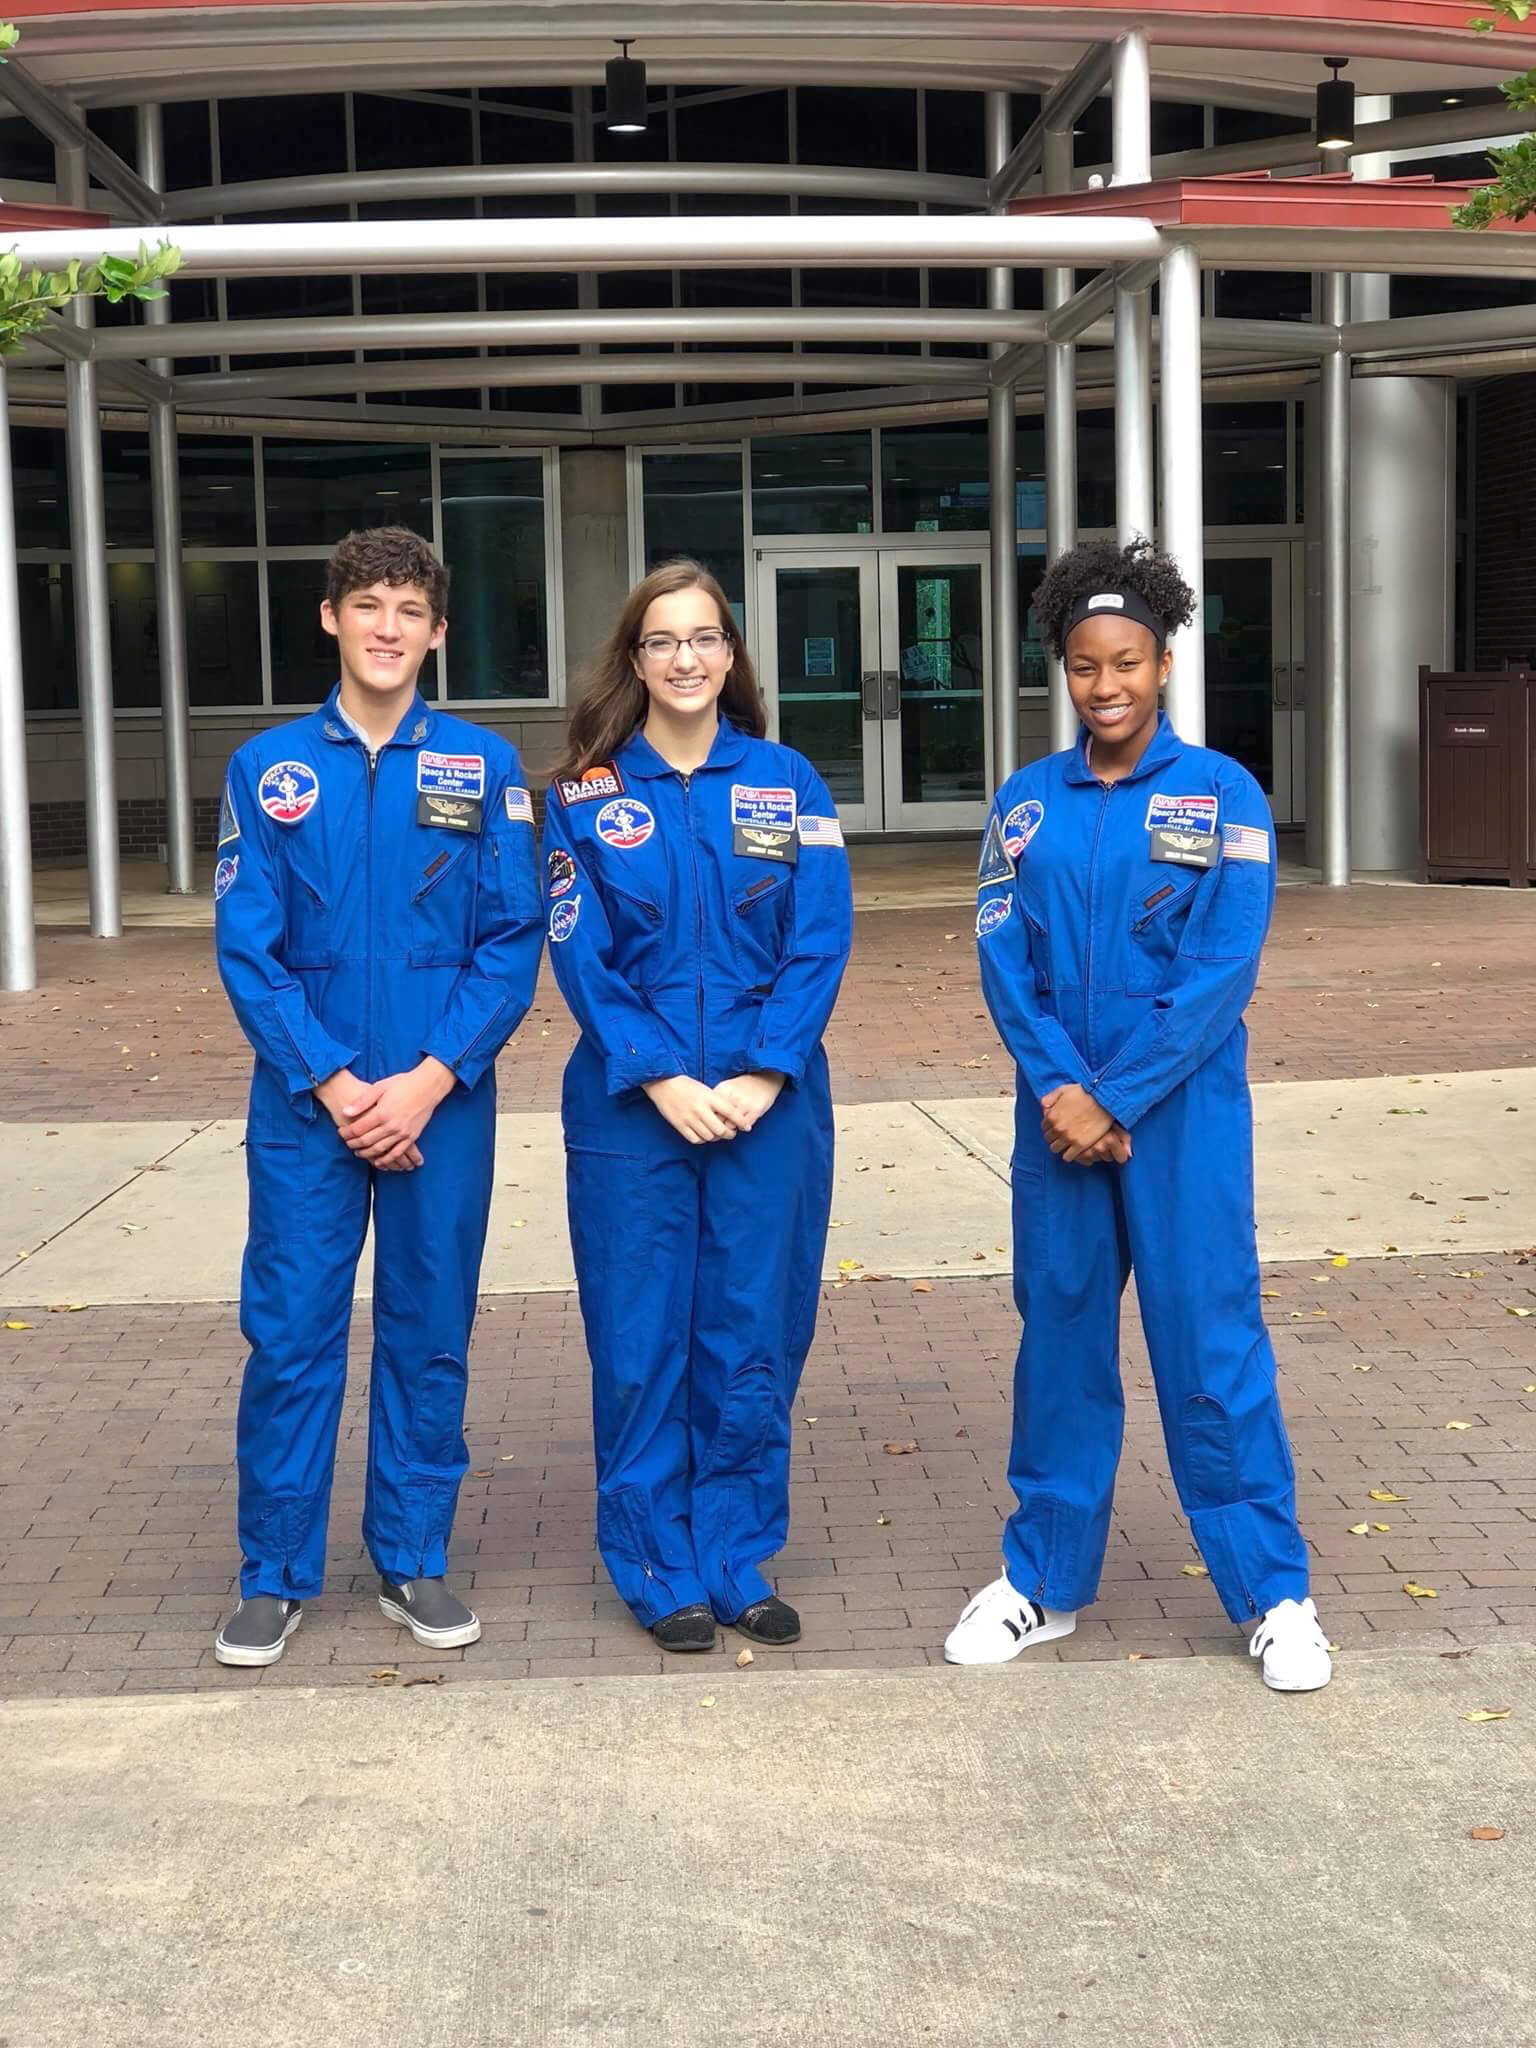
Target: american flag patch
x=1245, y=842
x=820, y=831
x=519, y=807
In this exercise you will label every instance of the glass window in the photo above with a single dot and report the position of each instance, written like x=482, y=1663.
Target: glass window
x=1034, y=663
x=47, y=598
x=188, y=144
x=1244, y=124
x=813, y=483
x=1095, y=470
x=1245, y=465
x=512, y=291
x=872, y=290
x=956, y=133
x=317, y=490
x=395, y=131
x=1264, y=295
x=218, y=491
x=692, y=506
x=299, y=136
x=934, y=479
x=41, y=488
x=493, y=540
x=192, y=299
x=454, y=292
x=26, y=157
x=287, y=298
x=516, y=133
x=223, y=631
x=125, y=477
x=837, y=125
x=734, y=289
x=133, y=619
x=733, y=128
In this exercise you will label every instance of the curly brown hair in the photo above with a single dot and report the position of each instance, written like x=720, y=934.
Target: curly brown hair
x=1101, y=565
x=614, y=700
x=386, y=554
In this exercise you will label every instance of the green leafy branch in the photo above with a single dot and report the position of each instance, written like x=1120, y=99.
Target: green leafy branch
x=1512, y=195
x=30, y=298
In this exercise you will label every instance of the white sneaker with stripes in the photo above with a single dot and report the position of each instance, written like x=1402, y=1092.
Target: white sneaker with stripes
x=1291, y=1641
x=999, y=1623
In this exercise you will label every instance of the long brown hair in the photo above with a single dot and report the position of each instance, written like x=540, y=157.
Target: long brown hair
x=614, y=700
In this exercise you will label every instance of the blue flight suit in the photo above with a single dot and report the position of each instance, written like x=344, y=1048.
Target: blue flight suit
x=367, y=916
x=698, y=924
x=1107, y=961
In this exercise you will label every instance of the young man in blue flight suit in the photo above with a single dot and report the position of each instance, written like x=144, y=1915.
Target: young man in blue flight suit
x=1125, y=891
x=378, y=931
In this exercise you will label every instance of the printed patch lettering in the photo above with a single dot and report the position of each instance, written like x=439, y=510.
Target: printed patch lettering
x=562, y=921
x=820, y=831
x=626, y=824
x=1181, y=814
x=434, y=867
x=224, y=876
x=519, y=807
x=561, y=870
x=450, y=774
x=1021, y=825
x=452, y=813
x=1184, y=849
x=762, y=842
x=1245, y=842
x=770, y=810
x=229, y=824
x=288, y=791
x=593, y=785
x=1158, y=896
x=994, y=912
x=996, y=863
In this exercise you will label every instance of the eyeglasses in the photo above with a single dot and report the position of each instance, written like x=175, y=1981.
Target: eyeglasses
x=663, y=646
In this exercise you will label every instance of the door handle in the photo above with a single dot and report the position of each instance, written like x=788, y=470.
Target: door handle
x=892, y=683
x=870, y=682
x=1282, y=670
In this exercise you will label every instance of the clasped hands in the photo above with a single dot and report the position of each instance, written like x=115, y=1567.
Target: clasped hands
x=380, y=1121
x=1079, y=1132
x=702, y=1115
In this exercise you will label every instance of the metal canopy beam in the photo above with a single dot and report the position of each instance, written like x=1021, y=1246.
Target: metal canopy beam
x=64, y=128
x=1058, y=116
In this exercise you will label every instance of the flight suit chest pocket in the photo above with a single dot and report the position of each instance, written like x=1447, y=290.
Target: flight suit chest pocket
x=1158, y=920
x=638, y=920
x=759, y=920
x=1039, y=949
x=309, y=939
x=442, y=920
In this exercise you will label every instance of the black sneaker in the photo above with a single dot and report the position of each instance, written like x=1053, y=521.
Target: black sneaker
x=430, y=1612
x=258, y=1630
x=690, y=1628
x=772, y=1621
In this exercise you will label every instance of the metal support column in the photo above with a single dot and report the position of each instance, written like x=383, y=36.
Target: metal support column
x=18, y=945
x=1131, y=77
x=170, y=602
x=93, y=640
x=1183, y=479
x=1333, y=670
x=1060, y=435
x=1002, y=469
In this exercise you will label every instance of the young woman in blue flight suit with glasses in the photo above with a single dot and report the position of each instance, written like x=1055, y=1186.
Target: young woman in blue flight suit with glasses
x=699, y=918
x=1124, y=894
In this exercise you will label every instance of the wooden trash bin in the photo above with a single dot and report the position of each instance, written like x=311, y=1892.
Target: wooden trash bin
x=1475, y=777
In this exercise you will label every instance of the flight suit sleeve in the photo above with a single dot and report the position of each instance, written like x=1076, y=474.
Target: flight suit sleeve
x=492, y=999
x=820, y=938
x=1010, y=982
x=271, y=1006
x=1215, y=971
x=626, y=1032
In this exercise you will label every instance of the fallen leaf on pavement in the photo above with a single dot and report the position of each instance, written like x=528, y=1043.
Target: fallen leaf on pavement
x=922, y=1287
x=1341, y=1260
x=1359, y=1528
x=384, y=1677
x=1416, y=1592
x=1517, y=1311
x=708, y=1700
x=882, y=1521
x=743, y=1659
x=1196, y=1571
x=1458, y=1425
x=1386, y=1493
x=424, y=1678
x=1486, y=1834
x=850, y=1265
x=1489, y=1714
x=1383, y=1528
x=900, y=1450
x=18, y=1326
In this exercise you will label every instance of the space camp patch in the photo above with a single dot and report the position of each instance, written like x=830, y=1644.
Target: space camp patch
x=519, y=807
x=1181, y=813
x=229, y=823
x=461, y=775
x=288, y=791
x=593, y=785
x=1245, y=842
x=1021, y=824
x=625, y=823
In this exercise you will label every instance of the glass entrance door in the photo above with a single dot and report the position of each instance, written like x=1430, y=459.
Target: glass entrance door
x=875, y=667
x=1255, y=673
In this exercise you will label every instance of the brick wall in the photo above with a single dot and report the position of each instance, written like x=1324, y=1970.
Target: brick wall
x=1505, y=521
x=58, y=829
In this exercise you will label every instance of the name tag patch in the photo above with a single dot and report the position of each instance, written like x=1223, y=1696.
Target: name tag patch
x=229, y=824
x=771, y=810
x=451, y=813
x=996, y=864
x=1021, y=825
x=224, y=877
x=1181, y=813
x=761, y=842
x=288, y=791
x=561, y=871
x=994, y=912
x=1245, y=842
x=593, y=785
x=627, y=824
x=450, y=774
x=1185, y=849
x=820, y=831
x=562, y=920
x=519, y=807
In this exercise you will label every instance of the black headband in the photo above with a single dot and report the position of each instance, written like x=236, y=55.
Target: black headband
x=1123, y=604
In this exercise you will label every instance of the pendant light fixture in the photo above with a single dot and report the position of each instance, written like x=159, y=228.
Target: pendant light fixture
x=624, y=112
x=1335, y=120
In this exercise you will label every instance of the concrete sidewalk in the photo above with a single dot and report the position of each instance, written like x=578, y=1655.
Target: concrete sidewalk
x=1159, y=1853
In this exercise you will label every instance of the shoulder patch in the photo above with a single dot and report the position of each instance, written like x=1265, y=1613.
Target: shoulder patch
x=519, y=806
x=996, y=863
x=1021, y=825
x=1245, y=842
x=562, y=920
x=224, y=876
x=994, y=912
x=597, y=784
x=288, y=791
x=229, y=824
x=625, y=823
x=561, y=870
x=820, y=831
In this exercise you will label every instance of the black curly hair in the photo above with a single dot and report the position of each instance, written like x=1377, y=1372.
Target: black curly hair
x=1095, y=565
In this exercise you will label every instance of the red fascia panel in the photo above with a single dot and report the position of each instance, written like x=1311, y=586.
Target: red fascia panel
x=1263, y=202
x=15, y=220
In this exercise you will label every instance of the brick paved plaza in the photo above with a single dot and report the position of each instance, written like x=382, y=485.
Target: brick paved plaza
x=116, y=1480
